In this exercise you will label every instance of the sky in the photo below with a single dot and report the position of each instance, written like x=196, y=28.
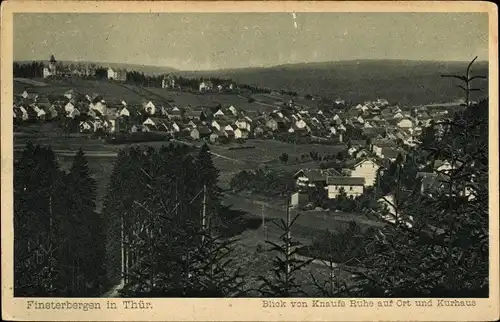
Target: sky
x=205, y=41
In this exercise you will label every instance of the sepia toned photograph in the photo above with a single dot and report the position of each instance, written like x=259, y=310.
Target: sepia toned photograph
x=338, y=158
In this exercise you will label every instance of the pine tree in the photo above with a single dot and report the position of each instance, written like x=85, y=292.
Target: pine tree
x=283, y=282
x=208, y=176
x=36, y=180
x=87, y=244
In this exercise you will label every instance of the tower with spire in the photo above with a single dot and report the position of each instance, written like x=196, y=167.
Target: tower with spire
x=52, y=69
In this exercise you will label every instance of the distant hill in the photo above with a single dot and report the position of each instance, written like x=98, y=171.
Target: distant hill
x=399, y=81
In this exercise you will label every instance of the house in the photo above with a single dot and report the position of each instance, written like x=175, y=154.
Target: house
x=168, y=81
x=243, y=124
x=51, y=69
x=117, y=74
x=240, y=134
x=194, y=115
x=203, y=132
x=298, y=131
x=91, y=113
x=41, y=115
x=175, y=113
x=233, y=110
x=444, y=166
x=313, y=177
x=339, y=101
x=390, y=153
x=28, y=95
x=378, y=144
x=192, y=124
x=272, y=124
x=229, y=127
x=24, y=113
x=100, y=107
x=229, y=134
x=398, y=115
x=405, y=123
x=174, y=127
x=138, y=128
x=366, y=169
x=194, y=134
x=301, y=124
x=52, y=112
x=85, y=126
x=206, y=86
x=74, y=113
x=352, y=150
x=124, y=112
x=156, y=123
x=213, y=137
x=361, y=153
x=220, y=125
x=219, y=113
x=352, y=186
x=299, y=198
x=69, y=107
x=110, y=124
x=258, y=131
x=149, y=108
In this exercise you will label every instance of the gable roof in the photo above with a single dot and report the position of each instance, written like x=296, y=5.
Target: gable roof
x=345, y=181
x=366, y=160
x=390, y=152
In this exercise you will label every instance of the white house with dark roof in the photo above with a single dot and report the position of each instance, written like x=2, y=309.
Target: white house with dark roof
x=352, y=186
x=366, y=169
x=313, y=177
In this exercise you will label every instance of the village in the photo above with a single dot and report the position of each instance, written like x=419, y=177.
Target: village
x=374, y=133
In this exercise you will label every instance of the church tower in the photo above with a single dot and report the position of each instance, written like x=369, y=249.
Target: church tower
x=52, y=65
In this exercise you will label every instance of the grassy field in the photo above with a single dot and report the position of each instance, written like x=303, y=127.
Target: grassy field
x=308, y=223
x=269, y=150
x=111, y=91
x=208, y=99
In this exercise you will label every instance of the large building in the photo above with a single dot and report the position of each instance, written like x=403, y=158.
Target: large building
x=51, y=70
x=57, y=69
x=117, y=74
x=352, y=186
x=168, y=81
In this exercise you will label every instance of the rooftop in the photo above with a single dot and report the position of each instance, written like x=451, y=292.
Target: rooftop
x=345, y=181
